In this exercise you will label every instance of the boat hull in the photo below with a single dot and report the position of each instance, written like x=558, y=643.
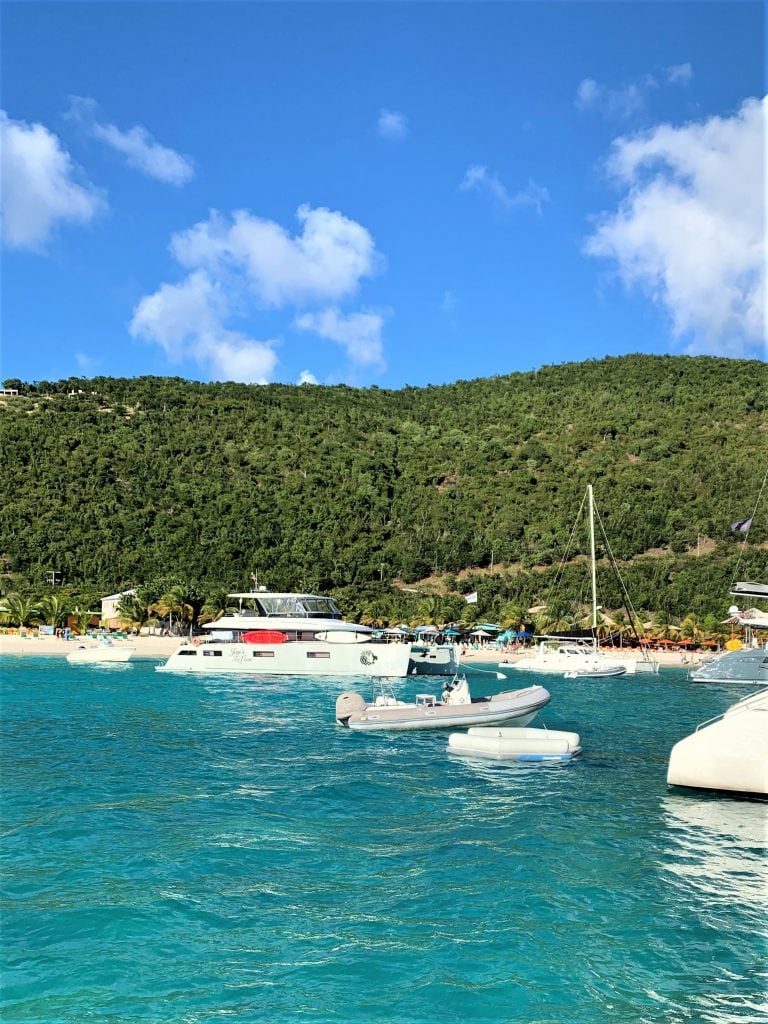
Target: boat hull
x=729, y=755
x=434, y=660
x=300, y=658
x=747, y=666
x=514, y=706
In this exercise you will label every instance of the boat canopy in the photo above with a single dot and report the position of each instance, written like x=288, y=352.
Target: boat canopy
x=288, y=605
x=759, y=590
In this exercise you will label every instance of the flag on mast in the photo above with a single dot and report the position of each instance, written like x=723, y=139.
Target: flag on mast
x=471, y=598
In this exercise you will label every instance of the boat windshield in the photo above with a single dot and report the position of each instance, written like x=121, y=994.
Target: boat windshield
x=301, y=605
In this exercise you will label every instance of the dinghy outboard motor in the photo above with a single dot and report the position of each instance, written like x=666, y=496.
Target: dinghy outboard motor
x=347, y=704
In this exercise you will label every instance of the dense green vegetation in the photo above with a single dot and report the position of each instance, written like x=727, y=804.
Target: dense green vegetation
x=344, y=490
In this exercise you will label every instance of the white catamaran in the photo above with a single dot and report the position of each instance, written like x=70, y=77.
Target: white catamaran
x=288, y=634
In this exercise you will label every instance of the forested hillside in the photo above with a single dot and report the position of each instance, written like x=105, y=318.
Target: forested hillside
x=345, y=490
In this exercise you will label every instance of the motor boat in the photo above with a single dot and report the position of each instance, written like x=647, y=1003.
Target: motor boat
x=288, y=634
x=526, y=745
x=434, y=659
x=104, y=651
x=455, y=707
x=728, y=753
x=571, y=658
x=744, y=661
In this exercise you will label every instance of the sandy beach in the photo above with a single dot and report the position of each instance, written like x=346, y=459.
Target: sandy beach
x=146, y=646
x=163, y=646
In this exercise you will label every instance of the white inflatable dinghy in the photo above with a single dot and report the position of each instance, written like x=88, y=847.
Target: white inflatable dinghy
x=515, y=744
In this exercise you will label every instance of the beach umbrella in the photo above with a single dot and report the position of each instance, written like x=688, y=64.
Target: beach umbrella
x=426, y=629
x=479, y=632
x=524, y=632
x=451, y=632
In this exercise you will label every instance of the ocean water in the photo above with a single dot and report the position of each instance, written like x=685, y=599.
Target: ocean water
x=181, y=849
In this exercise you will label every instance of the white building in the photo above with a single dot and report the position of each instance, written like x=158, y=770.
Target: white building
x=110, y=615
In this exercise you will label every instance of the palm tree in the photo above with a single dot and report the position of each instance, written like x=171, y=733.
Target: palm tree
x=664, y=626
x=82, y=619
x=425, y=612
x=511, y=614
x=16, y=610
x=555, y=617
x=216, y=604
x=690, y=629
x=54, y=610
x=377, y=612
x=133, y=611
x=174, y=602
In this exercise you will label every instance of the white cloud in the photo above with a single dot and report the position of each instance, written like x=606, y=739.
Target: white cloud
x=679, y=73
x=39, y=190
x=358, y=333
x=245, y=263
x=186, y=320
x=480, y=179
x=235, y=358
x=392, y=125
x=691, y=228
x=136, y=144
x=627, y=100
x=144, y=154
x=325, y=262
x=306, y=377
x=86, y=364
x=449, y=307
x=619, y=103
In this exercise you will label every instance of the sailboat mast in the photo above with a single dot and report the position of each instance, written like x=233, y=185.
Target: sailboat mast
x=592, y=556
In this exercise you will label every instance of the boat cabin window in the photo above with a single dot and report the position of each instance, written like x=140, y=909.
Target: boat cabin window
x=263, y=654
x=212, y=654
x=189, y=654
x=318, y=654
x=298, y=605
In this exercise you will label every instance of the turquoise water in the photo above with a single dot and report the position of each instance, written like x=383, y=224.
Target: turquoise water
x=182, y=849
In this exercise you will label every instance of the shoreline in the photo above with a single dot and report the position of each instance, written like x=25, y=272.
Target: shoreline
x=145, y=646
x=157, y=647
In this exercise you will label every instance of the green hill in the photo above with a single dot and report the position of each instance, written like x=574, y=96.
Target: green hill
x=114, y=482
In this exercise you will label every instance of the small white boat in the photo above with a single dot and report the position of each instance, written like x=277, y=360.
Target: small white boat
x=103, y=651
x=596, y=672
x=455, y=707
x=530, y=745
x=729, y=753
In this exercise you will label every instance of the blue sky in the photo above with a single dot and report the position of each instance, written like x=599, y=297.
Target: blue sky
x=388, y=194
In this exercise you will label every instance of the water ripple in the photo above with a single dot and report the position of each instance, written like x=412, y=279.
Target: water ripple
x=196, y=850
